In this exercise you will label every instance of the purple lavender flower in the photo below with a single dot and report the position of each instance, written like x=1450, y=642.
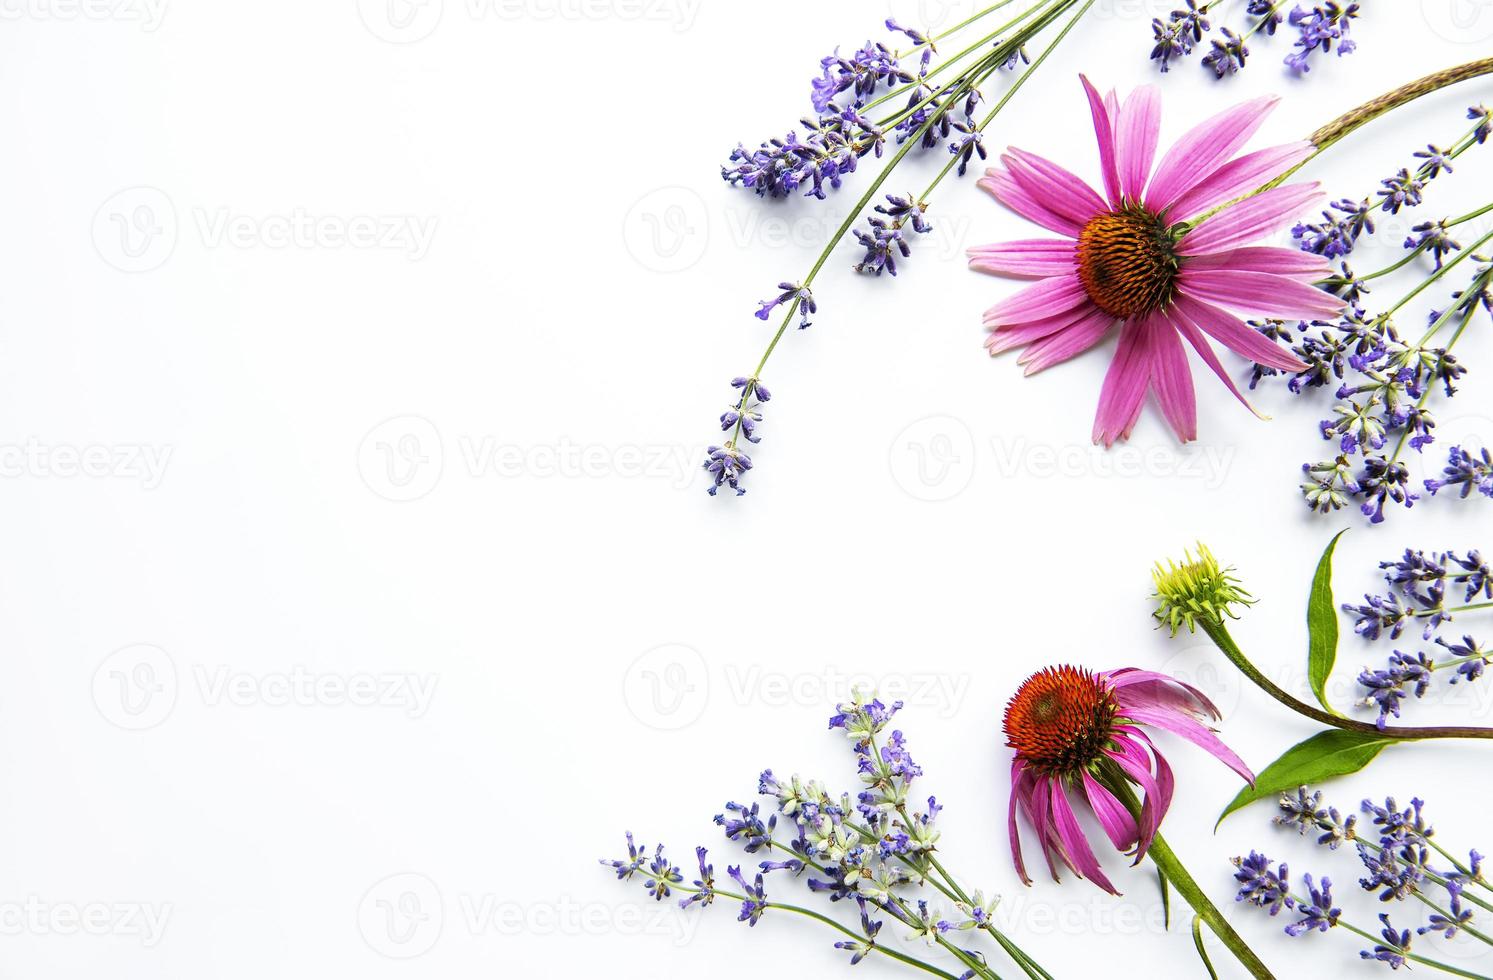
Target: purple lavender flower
x=1404, y=189
x=1468, y=471
x=1176, y=37
x=1394, y=947
x=1434, y=237
x=790, y=291
x=660, y=875
x=1318, y=913
x=1261, y=886
x=636, y=858
x=1227, y=56
x=1266, y=10
x=1384, y=481
x=756, y=897
x=1387, y=688
x=746, y=826
x=726, y=465
x=1320, y=28
x=705, y=883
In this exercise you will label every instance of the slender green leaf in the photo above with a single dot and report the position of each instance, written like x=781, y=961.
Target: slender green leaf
x=1197, y=940
x=1166, y=899
x=1335, y=752
x=1321, y=626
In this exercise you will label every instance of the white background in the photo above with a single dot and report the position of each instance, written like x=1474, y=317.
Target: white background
x=552, y=358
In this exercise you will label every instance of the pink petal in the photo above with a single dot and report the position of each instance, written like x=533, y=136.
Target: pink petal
x=1136, y=131
x=1146, y=687
x=1045, y=298
x=1181, y=724
x=1265, y=258
x=1067, y=343
x=1104, y=131
x=1029, y=257
x=1117, y=822
x=1135, y=761
x=1233, y=334
x=1054, y=186
x=1124, y=385
x=1046, y=833
x=1006, y=190
x=1074, y=842
x=1204, y=149
x=1005, y=336
x=1237, y=177
x=1248, y=220
x=1205, y=350
x=1172, y=379
x=1021, y=786
x=1259, y=292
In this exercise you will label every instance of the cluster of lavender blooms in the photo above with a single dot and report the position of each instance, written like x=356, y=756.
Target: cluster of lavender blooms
x=873, y=848
x=1418, y=591
x=1397, y=858
x=1383, y=382
x=839, y=134
x=726, y=464
x=1319, y=28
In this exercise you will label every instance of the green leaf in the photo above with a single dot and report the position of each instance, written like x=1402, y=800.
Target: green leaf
x=1321, y=627
x=1335, y=752
x=1166, y=899
x=1197, y=940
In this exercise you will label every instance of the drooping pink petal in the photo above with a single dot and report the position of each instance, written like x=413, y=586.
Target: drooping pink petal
x=1067, y=343
x=1259, y=292
x=1228, y=330
x=1204, y=149
x=1237, y=177
x=1053, y=185
x=1136, y=131
x=1021, y=787
x=1041, y=820
x=1184, y=725
x=1104, y=132
x=1004, y=336
x=1134, y=760
x=1249, y=220
x=1147, y=687
x=1045, y=298
x=1036, y=258
x=1117, y=822
x=1266, y=258
x=1005, y=189
x=1073, y=840
x=1172, y=379
x=1199, y=343
x=1125, y=384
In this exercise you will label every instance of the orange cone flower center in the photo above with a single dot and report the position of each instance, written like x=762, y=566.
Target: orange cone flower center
x=1127, y=262
x=1060, y=719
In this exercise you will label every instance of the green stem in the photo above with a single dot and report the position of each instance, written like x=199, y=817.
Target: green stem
x=1178, y=877
x=826, y=920
x=1219, y=634
x=1373, y=109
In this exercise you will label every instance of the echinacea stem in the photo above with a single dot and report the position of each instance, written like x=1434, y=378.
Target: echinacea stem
x=1219, y=634
x=1177, y=876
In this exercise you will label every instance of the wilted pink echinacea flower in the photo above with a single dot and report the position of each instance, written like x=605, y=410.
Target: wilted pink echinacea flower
x=1163, y=252
x=1076, y=732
